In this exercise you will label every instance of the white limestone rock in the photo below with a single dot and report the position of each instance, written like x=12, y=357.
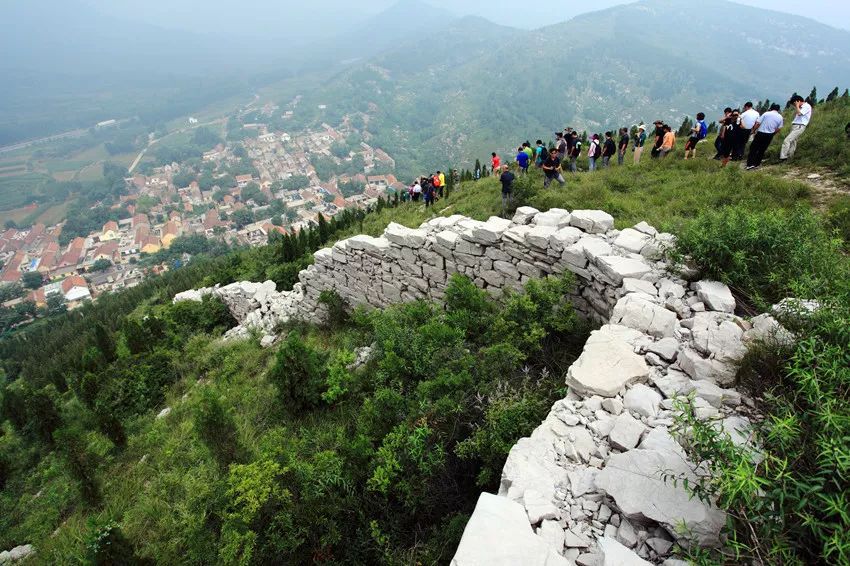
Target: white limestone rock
x=16, y=554
x=404, y=236
x=715, y=295
x=592, y=221
x=627, y=432
x=555, y=218
x=718, y=335
x=538, y=507
x=667, y=348
x=642, y=400
x=699, y=368
x=538, y=236
x=524, y=215
x=491, y=231
x=767, y=329
x=641, y=314
x=617, y=268
x=645, y=228
x=608, y=363
x=631, y=285
x=498, y=534
x=564, y=238
x=553, y=534
x=615, y=554
x=632, y=240
x=163, y=413
x=613, y=406
x=532, y=464
x=636, y=481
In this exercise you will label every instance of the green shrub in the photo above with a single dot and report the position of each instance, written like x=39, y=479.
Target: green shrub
x=337, y=313
x=838, y=219
x=107, y=546
x=216, y=428
x=764, y=256
x=299, y=374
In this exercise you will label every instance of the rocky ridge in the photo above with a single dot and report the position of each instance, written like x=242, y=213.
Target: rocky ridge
x=593, y=483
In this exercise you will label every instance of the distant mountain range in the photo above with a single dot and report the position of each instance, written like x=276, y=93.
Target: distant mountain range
x=470, y=87
x=438, y=88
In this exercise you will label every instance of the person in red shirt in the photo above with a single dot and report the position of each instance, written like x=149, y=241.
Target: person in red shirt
x=496, y=162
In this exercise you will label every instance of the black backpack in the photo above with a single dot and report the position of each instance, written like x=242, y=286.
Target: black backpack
x=597, y=151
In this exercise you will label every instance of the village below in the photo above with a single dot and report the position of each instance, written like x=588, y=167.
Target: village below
x=240, y=193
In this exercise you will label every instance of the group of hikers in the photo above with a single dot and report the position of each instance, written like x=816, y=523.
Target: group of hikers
x=428, y=188
x=736, y=128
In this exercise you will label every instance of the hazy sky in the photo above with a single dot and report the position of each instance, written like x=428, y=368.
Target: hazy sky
x=308, y=18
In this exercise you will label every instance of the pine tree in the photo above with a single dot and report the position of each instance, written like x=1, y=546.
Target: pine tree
x=324, y=233
x=833, y=94
x=686, y=126
x=813, y=96
x=71, y=442
x=846, y=93
x=104, y=343
x=712, y=128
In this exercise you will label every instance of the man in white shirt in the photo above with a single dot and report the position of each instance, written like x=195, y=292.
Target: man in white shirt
x=798, y=126
x=749, y=117
x=766, y=127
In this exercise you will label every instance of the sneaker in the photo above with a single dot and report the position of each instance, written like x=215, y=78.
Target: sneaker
x=751, y=167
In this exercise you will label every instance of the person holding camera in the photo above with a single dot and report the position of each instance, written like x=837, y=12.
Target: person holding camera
x=798, y=126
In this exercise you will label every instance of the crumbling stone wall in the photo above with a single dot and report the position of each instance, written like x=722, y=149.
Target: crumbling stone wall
x=588, y=486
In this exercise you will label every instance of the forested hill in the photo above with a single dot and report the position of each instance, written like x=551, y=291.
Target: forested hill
x=131, y=434
x=445, y=100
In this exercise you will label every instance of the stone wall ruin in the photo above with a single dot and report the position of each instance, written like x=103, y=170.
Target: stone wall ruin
x=589, y=485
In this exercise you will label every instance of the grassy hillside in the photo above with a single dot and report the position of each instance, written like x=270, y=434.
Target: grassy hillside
x=288, y=455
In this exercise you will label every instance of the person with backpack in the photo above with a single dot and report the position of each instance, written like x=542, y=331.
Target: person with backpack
x=594, y=152
x=698, y=133
x=575, y=151
x=608, y=149
x=668, y=143
x=540, y=154
x=640, y=140
x=438, y=185
x=416, y=191
x=623, y=146
x=522, y=160
x=552, y=169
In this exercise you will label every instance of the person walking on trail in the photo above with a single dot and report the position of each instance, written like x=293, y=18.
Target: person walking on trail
x=507, y=179
x=429, y=193
x=594, y=152
x=522, y=160
x=698, y=133
x=729, y=135
x=659, y=139
x=438, y=185
x=561, y=146
x=798, y=126
x=623, y=146
x=477, y=174
x=749, y=117
x=526, y=147
x=442, y=177
x=669, y=141
x=575, y=151
x=496, y=163
x=552, y=169
x=766, y=127
x=540, y=154
x=640, y=140
x=717, y=141
x=417, y=191
x=608, y=149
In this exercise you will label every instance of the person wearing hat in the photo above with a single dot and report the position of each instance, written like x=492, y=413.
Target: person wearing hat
x=640, y=139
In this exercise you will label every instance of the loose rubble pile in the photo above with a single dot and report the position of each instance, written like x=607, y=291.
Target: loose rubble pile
x=16, y=554
x=592, y=485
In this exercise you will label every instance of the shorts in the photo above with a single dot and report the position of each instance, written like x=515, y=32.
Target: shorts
x=692, y=143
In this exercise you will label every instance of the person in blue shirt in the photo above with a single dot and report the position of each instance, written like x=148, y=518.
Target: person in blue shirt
x=522, y=160
x=698, y=133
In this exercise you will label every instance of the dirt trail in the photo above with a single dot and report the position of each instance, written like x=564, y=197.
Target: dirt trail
x=826, y=186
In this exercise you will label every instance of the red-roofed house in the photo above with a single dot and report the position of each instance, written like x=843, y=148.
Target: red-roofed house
x=110, y=231
x=75, y=289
